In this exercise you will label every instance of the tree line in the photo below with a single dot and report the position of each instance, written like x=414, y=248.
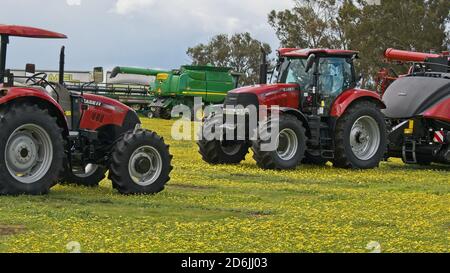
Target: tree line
x=416, y=25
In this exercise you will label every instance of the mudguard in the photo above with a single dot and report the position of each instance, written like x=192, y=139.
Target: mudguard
x=344, y=100
x=19, y=93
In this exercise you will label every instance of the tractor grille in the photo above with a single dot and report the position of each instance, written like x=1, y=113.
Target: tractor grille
x=244, y=99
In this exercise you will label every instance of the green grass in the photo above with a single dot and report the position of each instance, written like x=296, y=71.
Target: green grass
x=240, y=209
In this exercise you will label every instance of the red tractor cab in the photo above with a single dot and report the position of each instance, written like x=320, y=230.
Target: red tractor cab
x=49, y=134
x=324, y=116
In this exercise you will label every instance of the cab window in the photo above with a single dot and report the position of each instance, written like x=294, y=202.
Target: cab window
x=336, y=75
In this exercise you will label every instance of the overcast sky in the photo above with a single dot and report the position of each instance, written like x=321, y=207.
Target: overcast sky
x=147, y=33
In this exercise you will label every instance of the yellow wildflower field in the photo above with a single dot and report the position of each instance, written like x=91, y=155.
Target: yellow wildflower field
x=240, y=209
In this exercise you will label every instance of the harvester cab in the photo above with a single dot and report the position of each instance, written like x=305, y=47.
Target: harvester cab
x=49, y=134
x=323, y=116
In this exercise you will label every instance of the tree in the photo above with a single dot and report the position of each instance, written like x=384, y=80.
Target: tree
x=410, y=25
x=240, y=52
x=310, y=24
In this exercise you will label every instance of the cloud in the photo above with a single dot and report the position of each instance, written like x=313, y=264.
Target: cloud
x=73, y=2
x=130, y=6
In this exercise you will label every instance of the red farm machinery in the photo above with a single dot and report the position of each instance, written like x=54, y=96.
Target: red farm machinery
x=418, y=108
x=323, y=116
x=49, y=134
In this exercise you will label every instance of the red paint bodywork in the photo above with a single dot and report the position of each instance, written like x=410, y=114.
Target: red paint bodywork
x=30, y=32
x=440, y=111
x=274, y=94
x=408, y=56
x=21, y=92
x=304, y=53
x=344, y=100
x=111, y=112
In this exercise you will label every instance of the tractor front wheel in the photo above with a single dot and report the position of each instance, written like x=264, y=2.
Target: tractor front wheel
x=223, y=152
x=141, y=163
x=290, y=145
x=215, y=151
x=31, y=150
x=360, y=137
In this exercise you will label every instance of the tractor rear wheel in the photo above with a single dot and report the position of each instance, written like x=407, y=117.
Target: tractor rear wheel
x=360, y=137
x=93, y=175
x=141, y=163
x=290, y=146
x=31, y=150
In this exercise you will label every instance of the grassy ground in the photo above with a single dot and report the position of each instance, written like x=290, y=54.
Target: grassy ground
x=240, y=209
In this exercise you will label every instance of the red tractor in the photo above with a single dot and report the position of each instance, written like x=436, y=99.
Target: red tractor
x=418, y=109
x=49, y=134
x=324, y=116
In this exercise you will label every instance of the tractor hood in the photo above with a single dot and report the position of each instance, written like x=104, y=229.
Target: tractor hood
x=283, y=95
x=264, y=89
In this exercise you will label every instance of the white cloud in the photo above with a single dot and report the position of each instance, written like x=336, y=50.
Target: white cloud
x=131, y=6
x=73, y=2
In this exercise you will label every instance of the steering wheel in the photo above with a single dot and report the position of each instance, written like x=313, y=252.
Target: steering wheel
x=37, y=78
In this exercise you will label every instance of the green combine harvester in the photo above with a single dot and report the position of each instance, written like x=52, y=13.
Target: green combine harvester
x=181, y=86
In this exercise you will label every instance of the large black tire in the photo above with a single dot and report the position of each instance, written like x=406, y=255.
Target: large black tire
x=216, y=152
x=91, y=179
x=41, y=137
x=314, y=159
x=271, y=159
x=163, y=113
x=122, y=169
x=345, y=157
x=220, y=152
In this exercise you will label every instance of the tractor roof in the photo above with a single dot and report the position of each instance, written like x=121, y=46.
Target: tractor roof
x=30, y=32
x=303, y=53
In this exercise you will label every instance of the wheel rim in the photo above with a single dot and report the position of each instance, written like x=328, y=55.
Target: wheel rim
x=287, y=144
x=150, y=114
x=145, y=165
x=89, y=170
x=231, y=149
x=365, y=138
x=29, y=153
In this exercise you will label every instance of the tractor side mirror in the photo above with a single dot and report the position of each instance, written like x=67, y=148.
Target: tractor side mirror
x=310, y=62
x=98, y=74
x=359, y=80
x=30, y=68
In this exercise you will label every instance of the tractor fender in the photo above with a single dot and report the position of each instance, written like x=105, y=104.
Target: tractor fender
x=36, y=96
x=298, y=114
x=349, y=97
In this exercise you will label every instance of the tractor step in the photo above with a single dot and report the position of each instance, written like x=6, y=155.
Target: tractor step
x=409, y=152
x=320, y=141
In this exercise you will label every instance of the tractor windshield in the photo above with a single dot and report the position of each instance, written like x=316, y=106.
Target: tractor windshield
x=293, y=71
